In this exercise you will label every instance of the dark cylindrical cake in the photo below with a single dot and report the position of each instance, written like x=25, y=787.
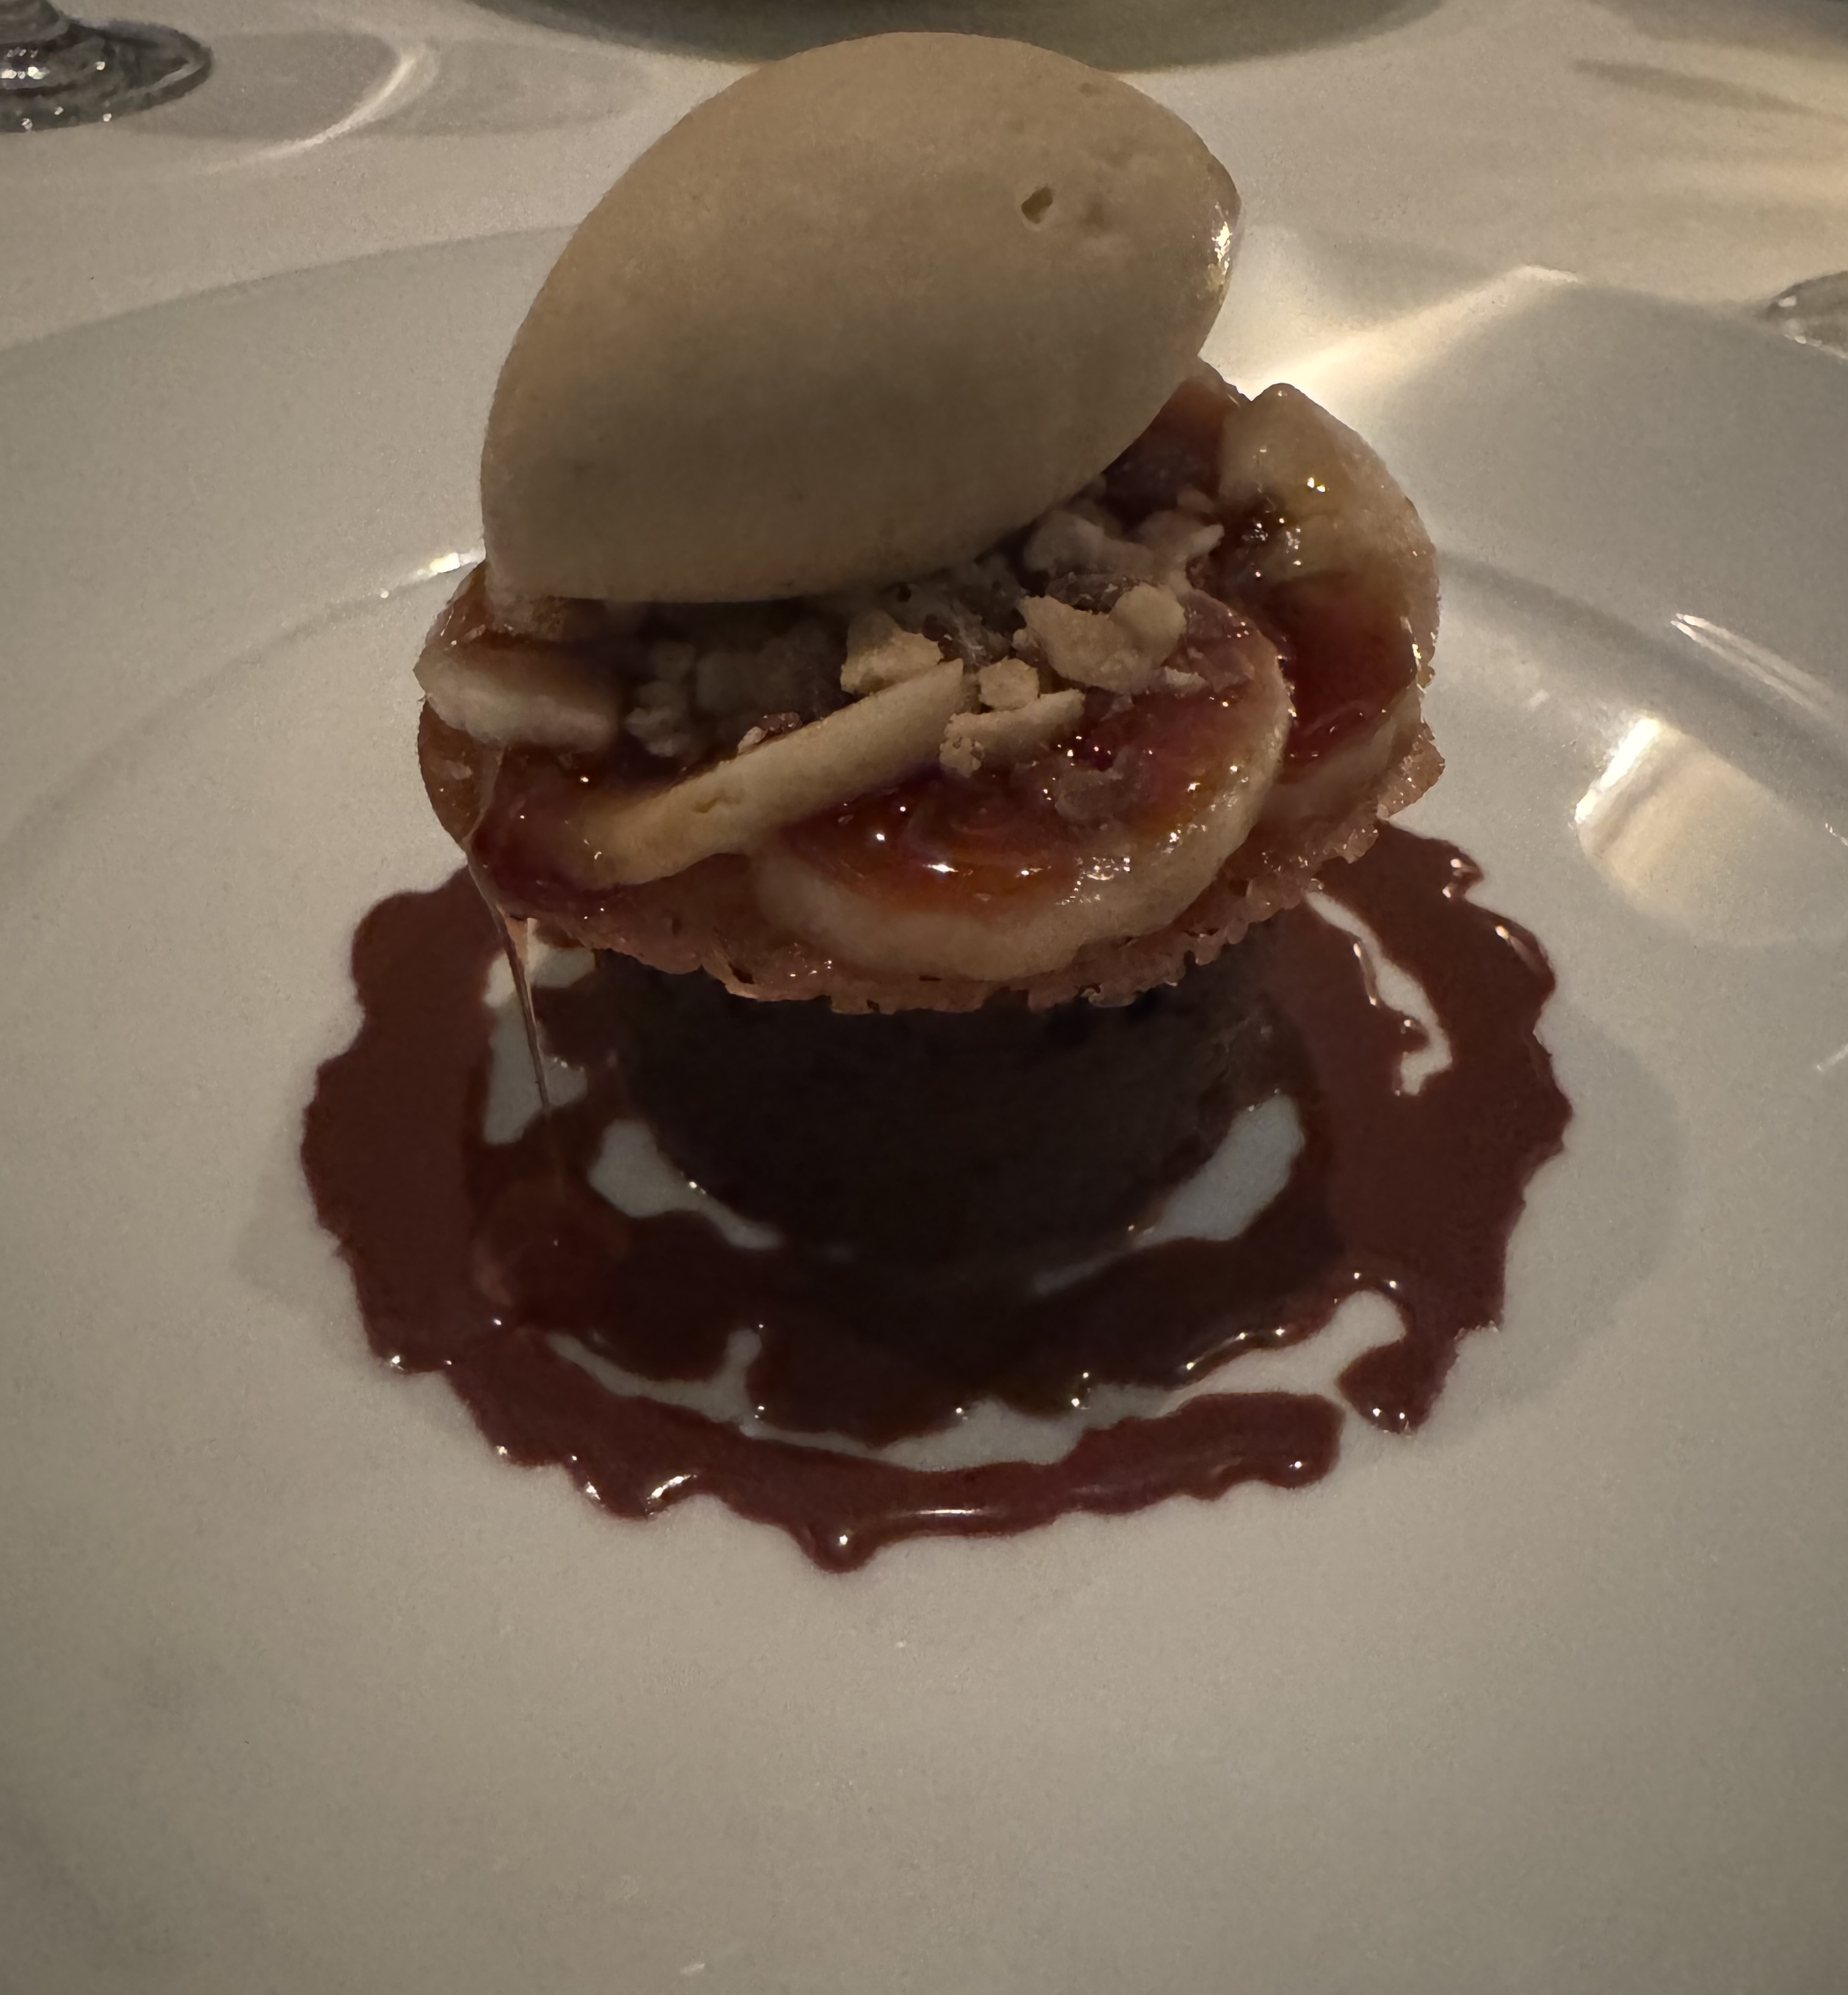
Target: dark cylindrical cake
x=941, y=1135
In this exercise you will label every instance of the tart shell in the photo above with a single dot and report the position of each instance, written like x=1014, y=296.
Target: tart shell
x=705, y=919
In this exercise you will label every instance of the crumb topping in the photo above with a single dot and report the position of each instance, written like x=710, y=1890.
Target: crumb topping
x=1005, y=736
x=1082, y=601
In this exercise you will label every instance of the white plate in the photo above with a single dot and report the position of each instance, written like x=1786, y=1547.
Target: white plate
x=301, y=1690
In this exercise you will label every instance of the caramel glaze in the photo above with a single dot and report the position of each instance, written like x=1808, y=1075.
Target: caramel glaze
x=937, y=842
x=465, y=1254
x=1020, y=835
x=1345, y=647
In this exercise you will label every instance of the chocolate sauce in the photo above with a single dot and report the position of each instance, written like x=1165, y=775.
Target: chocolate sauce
x=513, y=951
x=470, y=1257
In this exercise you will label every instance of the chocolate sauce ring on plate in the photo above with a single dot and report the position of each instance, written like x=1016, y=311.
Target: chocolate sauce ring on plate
x=483, y=1260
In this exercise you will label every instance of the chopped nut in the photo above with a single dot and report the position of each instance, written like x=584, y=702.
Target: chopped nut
x=1120, y=650
x=967, y=608
x=1066, y=542
x=1152, y=617
x=879, y=654
x=662, y=722
x=1174, y=539
x=869, y=627
x=973, y=741
x=1008, y=683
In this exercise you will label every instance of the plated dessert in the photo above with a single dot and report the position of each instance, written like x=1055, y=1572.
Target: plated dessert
x=932, y=692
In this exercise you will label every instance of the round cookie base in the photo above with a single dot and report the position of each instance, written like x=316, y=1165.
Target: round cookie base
x=706, y=918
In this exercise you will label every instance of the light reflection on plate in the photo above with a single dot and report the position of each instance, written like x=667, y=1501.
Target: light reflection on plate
x=1690, y=839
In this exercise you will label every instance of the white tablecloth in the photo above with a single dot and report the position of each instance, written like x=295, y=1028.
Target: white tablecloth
x=1696, y=149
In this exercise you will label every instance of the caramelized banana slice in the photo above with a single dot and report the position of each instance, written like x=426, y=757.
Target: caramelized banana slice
x=505, y=691
x=1345, y=514
x=992, y=882
x=1328, y=790
x=619, y=839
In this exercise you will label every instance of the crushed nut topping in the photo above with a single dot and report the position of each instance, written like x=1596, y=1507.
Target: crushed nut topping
x=1069, y=541
x=1008, y=683
x=1119, y=649
x=880, y=653
x=1002, y=737
x=1177, y=539
x=685, y=684
x=662, y=720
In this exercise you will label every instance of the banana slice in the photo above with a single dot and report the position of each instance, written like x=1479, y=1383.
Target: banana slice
x=1332, y=785
x=1114, y=885
x=1346, y=510
x=507, y=691
x=615, y=839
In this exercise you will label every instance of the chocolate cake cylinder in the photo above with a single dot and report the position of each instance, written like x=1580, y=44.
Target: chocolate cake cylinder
x=933, y=1136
